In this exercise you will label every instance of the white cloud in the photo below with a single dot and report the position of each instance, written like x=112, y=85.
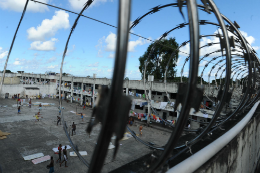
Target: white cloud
x=250, y=39
x=94, y=65
x=35, y=54
x=111, y=43
x=208, y=49
x=92, y=69
x=3, y=54
x=18, y=5
x=70, y=50
x=256, y=47
x=111, y=55
x=203, y=63
x=178, y=62
x=52, y=66
x=133, y=44
x=99, y=46
x=78, y=4
x=49, y=28
x=52, y=59
x=17, y=63
x=44, y=46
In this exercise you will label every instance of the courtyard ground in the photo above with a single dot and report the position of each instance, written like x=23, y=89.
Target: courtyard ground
x=29, y=137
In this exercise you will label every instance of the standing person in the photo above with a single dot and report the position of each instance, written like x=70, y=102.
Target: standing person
x=82, y=116
x=37, y=116
x=40, y=107
x=73, y=128
x=19, y=109
x=59, y=148
x=58, y=120
x=30, y=103
x=51, y=165
x=84, y=107
x=65, y=157
x=140, y=130
x=59, y=111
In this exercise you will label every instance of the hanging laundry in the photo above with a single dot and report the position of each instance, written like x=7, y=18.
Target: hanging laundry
x=133, y=105
x=172, y=103
x=141, y=105
x=144, y=96
x=136, y=95
x=140, y=95
x=145, y=103
x=163, y=105
x=205, y=115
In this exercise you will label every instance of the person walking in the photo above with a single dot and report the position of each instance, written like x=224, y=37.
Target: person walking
x=73, y=128
x=40, y=107
x=82, y=116
x=59, y=148
x=58, y=120
x=65, y=157
x=30, y=103
x=141, y=130
x=84, y=107
x=51, y=165
x=19, y=109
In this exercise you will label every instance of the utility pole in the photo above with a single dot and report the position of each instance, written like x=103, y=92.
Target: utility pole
x=150, y=79
x=93, y=94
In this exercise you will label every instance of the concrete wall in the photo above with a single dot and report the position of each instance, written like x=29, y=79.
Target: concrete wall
x=31, y=92
x=240, y=155
x=11, y=80
x=19, y=89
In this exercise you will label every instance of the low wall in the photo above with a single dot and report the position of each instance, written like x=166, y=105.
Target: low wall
x=20, y=89
x=240, y=155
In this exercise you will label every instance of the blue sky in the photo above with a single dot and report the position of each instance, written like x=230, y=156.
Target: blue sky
x=44, y=30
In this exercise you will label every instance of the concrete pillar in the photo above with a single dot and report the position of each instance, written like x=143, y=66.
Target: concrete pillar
x=93, y=94
x=149, y=105
x=126, y=91
x=71, y=90
x=44, y=79
x=81, y=96
x=63, y=89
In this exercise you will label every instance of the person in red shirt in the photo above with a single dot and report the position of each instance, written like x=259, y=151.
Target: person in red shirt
x=141, y=130
x=60, y=149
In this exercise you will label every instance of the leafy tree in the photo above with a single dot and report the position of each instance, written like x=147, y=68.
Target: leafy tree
x=159, y=58
x=7, y=71
x=222, y=81
x=126, y=78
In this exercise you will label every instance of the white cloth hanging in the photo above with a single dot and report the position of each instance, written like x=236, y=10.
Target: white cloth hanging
x=163, y=105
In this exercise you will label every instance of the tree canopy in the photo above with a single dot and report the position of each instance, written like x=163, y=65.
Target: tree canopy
x=7, y=71
x=159, y=58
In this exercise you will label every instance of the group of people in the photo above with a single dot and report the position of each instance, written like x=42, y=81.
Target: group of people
x=65, y=158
